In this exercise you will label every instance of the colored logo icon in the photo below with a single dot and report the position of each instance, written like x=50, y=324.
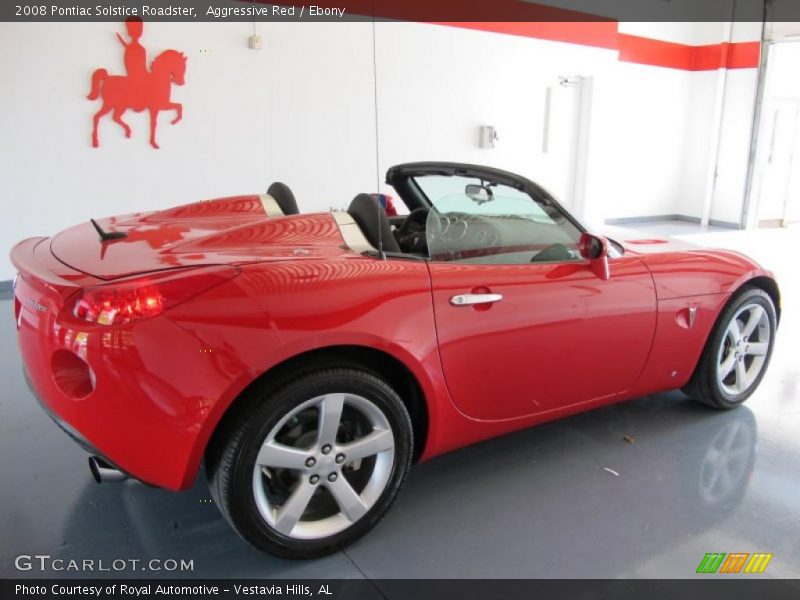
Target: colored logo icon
x=735, y=562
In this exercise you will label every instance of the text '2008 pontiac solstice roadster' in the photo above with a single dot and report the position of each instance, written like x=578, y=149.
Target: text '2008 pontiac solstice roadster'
x=307, y=360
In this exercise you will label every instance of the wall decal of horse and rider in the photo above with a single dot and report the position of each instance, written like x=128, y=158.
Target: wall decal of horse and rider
x=139, y=89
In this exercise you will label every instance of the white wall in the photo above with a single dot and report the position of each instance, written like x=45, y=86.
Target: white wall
x=733, y=153
x=734, y=150
x=249, y=117
x=437, y=85
x=301, y=110
x=696, y=153
x=637, y=165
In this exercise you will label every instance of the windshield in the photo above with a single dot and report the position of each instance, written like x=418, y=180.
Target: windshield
x=477, y=221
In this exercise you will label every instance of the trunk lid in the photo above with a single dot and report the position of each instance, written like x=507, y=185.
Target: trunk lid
x=225, y=231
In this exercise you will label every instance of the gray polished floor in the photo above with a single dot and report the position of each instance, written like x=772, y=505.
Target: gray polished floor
x=569, y=499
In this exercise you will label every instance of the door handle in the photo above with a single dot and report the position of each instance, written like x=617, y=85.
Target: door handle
x=470, y=299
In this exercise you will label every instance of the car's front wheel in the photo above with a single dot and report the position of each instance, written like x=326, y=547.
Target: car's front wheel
x=737, y=353
x=313, y=466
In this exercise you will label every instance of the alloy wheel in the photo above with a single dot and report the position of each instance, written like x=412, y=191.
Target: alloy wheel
x=743, y=351
x=323, y=466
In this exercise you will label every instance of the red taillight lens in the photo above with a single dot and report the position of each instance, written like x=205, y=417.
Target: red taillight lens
x=129, y=300
x=115, y=306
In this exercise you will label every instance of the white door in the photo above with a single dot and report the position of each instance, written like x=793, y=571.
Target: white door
x=565, y=141
x=775, y=191
x=779, y=180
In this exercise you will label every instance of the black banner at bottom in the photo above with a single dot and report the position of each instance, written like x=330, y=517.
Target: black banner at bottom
x=402, y=589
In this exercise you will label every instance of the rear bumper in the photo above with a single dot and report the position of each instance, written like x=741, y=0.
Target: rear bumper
x=132, y=418
x=65, y=427
x=71, y=432
x=139, y=396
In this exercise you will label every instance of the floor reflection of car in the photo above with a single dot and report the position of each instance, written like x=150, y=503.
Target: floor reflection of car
x=727, y=463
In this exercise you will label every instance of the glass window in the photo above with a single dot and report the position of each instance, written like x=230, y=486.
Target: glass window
x=474, y=221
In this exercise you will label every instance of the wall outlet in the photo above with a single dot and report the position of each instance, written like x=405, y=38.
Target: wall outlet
x=487, y=136
x=256, y=41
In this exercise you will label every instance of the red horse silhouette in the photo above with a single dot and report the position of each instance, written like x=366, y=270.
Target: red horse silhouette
x=140, y=89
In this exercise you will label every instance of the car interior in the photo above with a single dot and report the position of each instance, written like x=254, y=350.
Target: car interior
x=371, y=218
x=458, y=236
x=284, y=198
x=455, y=236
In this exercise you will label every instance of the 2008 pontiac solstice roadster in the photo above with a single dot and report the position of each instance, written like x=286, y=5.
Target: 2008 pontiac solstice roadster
x=309, y=359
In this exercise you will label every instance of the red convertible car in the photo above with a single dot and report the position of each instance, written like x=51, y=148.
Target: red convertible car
x=307, y=360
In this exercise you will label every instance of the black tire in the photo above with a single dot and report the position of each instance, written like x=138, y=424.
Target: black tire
x=230, y=462
x=704, y=386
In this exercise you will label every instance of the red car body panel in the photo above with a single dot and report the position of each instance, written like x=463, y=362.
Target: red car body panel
x=225, y=231
x=499, y=359
x=562, y=341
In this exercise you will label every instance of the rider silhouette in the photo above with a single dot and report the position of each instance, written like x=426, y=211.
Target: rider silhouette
x=135, y=56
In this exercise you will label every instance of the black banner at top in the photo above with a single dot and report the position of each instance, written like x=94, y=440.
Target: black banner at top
x=402, y=10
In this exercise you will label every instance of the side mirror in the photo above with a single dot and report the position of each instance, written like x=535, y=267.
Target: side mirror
x=594, y=248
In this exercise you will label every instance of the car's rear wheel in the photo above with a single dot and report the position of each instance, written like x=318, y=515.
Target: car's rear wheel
x=737, y=353
x=312, y=466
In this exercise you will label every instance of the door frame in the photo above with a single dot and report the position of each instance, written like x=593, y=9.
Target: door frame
x=763, y=160
x=750, y=206
x=574, y=194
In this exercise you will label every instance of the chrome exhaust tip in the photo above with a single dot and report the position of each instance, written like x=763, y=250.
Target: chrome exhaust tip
x=104, y=472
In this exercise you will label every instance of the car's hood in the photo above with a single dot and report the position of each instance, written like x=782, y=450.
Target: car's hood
x=656, y=245
x=225, y=231
x=682, y=269
x=641, y=242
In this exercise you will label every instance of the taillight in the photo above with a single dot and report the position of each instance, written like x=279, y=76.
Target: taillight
x=129, y=300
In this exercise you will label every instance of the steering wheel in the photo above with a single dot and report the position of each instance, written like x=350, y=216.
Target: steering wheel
x=411, y=235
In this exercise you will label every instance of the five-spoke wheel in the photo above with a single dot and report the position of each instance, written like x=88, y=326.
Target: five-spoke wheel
x=744, y=347
x=737, y=352
x=311, y=466
x=315, y=454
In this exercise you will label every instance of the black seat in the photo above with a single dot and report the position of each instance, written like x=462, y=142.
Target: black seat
x=284, y=197
x=370, y=217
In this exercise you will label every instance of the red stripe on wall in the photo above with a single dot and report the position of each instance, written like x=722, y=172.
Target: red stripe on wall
x=600, y=34
x=742, y=55
x=529, y=19
x=632, y=48
x=647, y=51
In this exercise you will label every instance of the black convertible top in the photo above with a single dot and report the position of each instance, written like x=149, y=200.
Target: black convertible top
x=400, y=177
